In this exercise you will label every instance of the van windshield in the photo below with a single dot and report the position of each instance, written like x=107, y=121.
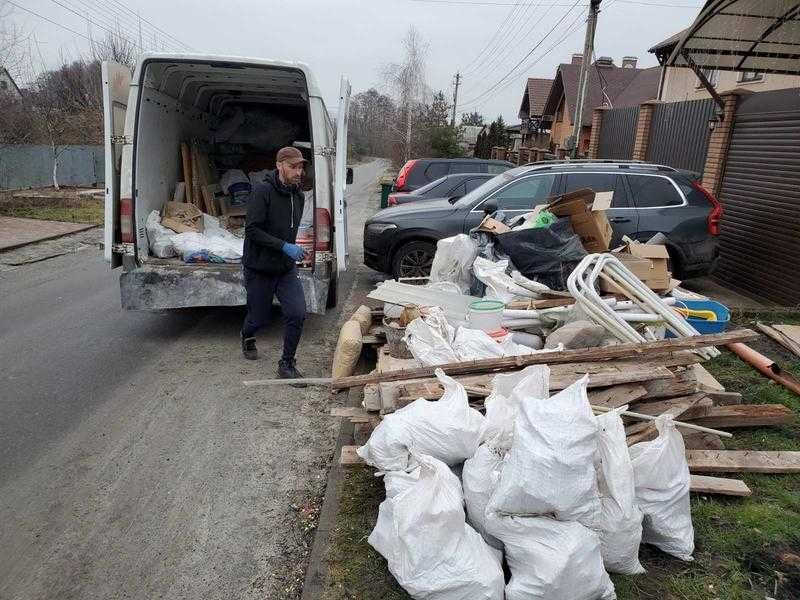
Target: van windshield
x=480, y=192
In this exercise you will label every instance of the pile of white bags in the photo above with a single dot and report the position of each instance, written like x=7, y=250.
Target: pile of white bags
x=550, y=467
x=447, y=429
x=620, y=523
x=453, y=261
x=431, y=550
x=662, y=491
x=480, y=477
x=159, y=237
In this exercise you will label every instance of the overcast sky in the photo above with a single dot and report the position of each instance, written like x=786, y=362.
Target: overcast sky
x=359, y=37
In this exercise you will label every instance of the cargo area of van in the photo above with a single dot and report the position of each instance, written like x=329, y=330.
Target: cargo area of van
x=199, y=133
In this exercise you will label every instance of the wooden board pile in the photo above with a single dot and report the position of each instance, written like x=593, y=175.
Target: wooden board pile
x=662, y=377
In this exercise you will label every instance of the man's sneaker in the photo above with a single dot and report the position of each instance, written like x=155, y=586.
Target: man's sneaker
x=249, y=348
x=288, y=370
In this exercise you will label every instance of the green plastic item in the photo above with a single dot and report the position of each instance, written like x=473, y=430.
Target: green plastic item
x=544, y=219
x=385, y=189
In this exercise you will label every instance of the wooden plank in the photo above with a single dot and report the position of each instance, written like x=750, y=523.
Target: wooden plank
x=372, y=398
x=493, y=365
x=349, y=458
x=698, y=440
x=186, y=160
x=725, y=398
x=705, y=380
x=355, y=414
x=642, y=432
x=743, y=461
x=684, y=384
x=745, y=415
x=706, y=484
x=659, y=407
x=618, y=395
x=787, y=336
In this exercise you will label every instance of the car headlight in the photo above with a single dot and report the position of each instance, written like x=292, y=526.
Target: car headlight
x=376, y=229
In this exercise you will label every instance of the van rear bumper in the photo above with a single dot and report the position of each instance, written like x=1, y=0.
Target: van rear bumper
x=164, y=287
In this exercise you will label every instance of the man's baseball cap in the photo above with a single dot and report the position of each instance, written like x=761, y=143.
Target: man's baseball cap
x=290, y=155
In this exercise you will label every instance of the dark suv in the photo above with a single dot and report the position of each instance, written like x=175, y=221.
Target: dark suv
x=421, y=171
x=648, y=199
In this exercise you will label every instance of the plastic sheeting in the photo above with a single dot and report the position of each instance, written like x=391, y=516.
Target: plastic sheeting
x=498, y=283
x=620, y=525
x=662, y=491
x=453, y=261
x=159, y=237
x=214, y=240
x=447, y=429
x=430, y=549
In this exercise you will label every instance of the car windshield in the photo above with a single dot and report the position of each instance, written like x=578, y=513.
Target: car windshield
x=430, y=186
x=490, y=185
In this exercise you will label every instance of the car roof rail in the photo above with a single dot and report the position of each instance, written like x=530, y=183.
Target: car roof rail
x=600, y=161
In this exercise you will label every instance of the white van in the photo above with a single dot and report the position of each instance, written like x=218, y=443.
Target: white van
x=172, y=98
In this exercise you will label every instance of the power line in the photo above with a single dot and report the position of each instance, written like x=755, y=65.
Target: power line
x=88, y=19
x=150, y=23
x=501, y=3
x=56, y=23
x=500, y=34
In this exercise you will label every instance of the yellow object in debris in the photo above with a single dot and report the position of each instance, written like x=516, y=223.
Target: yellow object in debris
x=708, y=315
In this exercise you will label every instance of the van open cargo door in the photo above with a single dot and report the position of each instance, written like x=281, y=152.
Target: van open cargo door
x=116, y=81
x=340, y=176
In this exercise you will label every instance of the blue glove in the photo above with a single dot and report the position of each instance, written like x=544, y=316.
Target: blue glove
x=293, y=251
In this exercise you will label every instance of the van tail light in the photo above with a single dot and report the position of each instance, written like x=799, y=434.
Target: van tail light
x=392, y=200
x=126, y=219
x=402, y=176
x=323, y=230
x=716, y=208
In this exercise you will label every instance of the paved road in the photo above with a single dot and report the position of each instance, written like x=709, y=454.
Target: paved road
x=132, y=462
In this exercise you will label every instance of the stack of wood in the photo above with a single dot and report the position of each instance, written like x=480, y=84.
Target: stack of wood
x=652, y=379
x=199, y=178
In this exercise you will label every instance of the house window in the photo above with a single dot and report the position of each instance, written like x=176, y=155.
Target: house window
x=748, y=76
x=711, y=74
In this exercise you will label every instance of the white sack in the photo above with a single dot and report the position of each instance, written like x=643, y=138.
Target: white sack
x=217, y=241
x=453, y=261
x=498, y=284
x=508, y=391
x=430, y=338
x=662, y=491
x=447, y=429
x=550, y=467
x=620, y=525
x=480, y=477
x=397, y=482
x=470, y=344
x=232, y=177
x=159, y=237
x=429, y=547
x=551, y=560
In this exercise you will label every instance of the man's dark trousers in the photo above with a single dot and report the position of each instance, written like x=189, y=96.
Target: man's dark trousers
x=261, y=288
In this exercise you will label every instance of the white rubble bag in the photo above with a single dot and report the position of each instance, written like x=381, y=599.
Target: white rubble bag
x=430, y=338
x=396, y=482
x=508, y=391
x=453, y=261
x=662, y=490
x=471, y=344
x=499, y=284
x=620, y=525
x=448, y=429
x=159, y=237
x=550, y=467
x=480, y=477
x=551, y=560
x=431, y=550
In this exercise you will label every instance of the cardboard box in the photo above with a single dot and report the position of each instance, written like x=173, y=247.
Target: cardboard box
x=587, y=214
x=648, y=262
x=182, y=217
x=640, y=267
x=491, y=225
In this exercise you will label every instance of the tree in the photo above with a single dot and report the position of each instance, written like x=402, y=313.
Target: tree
x=472, y=118
x=115, y=47
x=444, y=142
x=12, y=41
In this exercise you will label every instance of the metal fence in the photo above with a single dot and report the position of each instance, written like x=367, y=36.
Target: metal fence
x=679, y=134
x=618, y=132
x=31, y=165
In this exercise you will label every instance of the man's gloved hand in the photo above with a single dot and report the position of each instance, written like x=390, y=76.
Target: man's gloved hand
x=293, y=251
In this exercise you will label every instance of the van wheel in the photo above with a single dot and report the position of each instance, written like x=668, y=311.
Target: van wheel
x=333, y=291
x=413, y=259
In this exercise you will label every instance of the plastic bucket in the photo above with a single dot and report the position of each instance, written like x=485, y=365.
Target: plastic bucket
x=486, y=315
x=704, y=326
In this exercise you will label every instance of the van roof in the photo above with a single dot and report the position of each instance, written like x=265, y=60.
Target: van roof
x=311, y=81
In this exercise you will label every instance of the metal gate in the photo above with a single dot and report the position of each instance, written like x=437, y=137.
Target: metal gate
x=760, y=194
x=618, y=132
x=679, y=134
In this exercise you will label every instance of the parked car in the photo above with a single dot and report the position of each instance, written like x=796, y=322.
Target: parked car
x=648, y=199
x=449, y=186
x=421, y=171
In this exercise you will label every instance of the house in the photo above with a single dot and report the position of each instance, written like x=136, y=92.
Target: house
x=7, y=84
x=680, y=83
x=608, y=85
x=514, y=133
x=468, y=136
x=530, y=111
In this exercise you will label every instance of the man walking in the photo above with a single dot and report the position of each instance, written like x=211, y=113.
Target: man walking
x=274, y=211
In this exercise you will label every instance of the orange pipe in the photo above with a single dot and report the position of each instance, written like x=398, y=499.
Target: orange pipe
x=765, y=366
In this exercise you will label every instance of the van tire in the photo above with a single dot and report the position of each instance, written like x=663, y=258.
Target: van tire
x=413, y=259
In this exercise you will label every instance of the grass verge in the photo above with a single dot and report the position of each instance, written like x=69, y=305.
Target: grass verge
x=84, y=211
x=746, y=548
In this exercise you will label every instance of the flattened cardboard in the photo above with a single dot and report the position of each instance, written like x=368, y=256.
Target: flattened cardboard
x=491, y=225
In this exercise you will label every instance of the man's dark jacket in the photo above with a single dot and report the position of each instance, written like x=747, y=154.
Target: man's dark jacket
x=274, y=211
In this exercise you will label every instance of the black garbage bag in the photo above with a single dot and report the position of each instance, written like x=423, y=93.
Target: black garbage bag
x=545, y=254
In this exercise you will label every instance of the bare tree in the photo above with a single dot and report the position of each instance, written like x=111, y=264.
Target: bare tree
x=115, y=47
x=408, y=83
x=12, y=41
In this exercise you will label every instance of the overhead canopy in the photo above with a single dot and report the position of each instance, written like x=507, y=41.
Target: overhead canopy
x=743, y=35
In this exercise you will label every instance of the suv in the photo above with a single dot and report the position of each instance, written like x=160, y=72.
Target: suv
x=421, y=171
x=449, y=186
x=648, y=199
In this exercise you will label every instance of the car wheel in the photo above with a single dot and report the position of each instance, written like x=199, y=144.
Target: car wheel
x=413, y=259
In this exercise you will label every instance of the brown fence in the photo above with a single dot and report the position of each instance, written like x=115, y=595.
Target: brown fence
x=618, y=132
x=679, y=133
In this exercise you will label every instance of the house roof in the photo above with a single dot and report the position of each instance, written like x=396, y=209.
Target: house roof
x=621, y=86
x=534, y=97
x=665, y=47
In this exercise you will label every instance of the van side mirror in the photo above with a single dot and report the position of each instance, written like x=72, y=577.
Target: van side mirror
x=348, y=179
x=490, y=206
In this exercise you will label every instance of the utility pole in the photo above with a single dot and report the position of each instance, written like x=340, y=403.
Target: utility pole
x=583, y=81
x=455, y=100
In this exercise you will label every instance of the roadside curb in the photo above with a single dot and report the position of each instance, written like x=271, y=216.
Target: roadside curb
x=48, y=238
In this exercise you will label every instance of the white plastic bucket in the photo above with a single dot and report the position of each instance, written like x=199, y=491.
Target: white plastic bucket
x=486, y=315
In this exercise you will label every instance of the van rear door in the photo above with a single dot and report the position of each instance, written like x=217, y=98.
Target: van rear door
x=340, y=177
x=116, y=83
